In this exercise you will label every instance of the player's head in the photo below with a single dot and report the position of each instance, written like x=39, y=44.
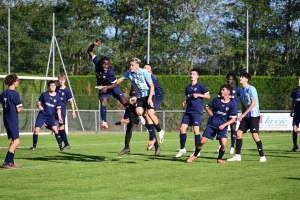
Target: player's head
x=135, y=64
x=104, y=63
x=298, y=80
x=194, y=74
x=231, y=78
x=11, y=79
x=51, y=86
x=62, y=79
x=245, y=77
x=148, y=68
x=226, y=89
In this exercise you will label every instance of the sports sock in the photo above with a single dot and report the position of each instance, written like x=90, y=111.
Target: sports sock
x=197, y=140
x=34, y=140
x=233, y=138
x=295, y=136
x=238, y=148
x=182, y=140
x=127, y=113
x=156, y=145
x=151, y=131
x=128, y=134
x=9, y=157
x=58, y=139
x=103, y=113
x=197, y=150
x=64, y=137
x=221, y=154
x=157, y=127
x=260, y=148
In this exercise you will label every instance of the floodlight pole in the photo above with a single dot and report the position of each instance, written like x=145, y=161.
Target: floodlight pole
x=8, y=41
x=247, y=48
x=53, y=34
x=148, y=46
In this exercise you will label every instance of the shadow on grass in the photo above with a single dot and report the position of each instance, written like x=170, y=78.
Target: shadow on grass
x=292, y=178
x=69, y=157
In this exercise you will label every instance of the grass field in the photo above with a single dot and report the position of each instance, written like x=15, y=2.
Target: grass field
x=92, y=169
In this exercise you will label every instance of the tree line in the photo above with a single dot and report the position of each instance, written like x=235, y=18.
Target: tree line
x=185, y=34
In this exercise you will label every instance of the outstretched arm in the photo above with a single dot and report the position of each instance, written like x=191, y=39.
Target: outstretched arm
x=91, y=47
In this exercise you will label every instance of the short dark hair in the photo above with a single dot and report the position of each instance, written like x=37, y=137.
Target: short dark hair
x=103, y=58
x=228, y=87
x=231, y=74
x=10, y=79
x=50, y=82
x=195, y=70
x=246, y=75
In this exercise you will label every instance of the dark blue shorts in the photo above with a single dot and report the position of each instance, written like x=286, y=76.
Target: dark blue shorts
x=192, y=119
x=12, y=129
x=211, y=132
x=296, y=121
x=41, y=120
x=116, y=93
x=63, y=117
x=158, y=100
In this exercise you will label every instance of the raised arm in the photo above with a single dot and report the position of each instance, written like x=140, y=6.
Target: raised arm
x=91, y=47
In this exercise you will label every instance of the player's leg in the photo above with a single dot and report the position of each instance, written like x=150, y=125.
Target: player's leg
x=184, y=125
x=103, y=110
x=198, y=148
x=151, y=129
x=254, y=129
x=62, y=132
x=40, y=121
x=296, y=122
x=233, y=137
x=128, y=134
x=223, y=141
x=52, y=123
x=158, y=100
x=13, y=134
x=141, y=106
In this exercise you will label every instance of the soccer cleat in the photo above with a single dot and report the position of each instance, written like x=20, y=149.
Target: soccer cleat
x=180, y=153
x=157, y=151
x=151, y=144
x=218, y=149
x=220, y=161
x=191, y=159
x=122, y=121
x=235, y=158
x=104, y=125
x=7, y=166
x=66, y=147
x=15, y=165
x=197, y=155
x=142, y=120
x=263, y=159
x=161, y=135
x=32, y=148
x=124, y=151
x=295, y=148
x=231, y=151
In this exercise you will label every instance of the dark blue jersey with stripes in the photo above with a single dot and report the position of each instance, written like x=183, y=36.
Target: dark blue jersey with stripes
x=104, y=78
x=10, y=100
x=50, y=104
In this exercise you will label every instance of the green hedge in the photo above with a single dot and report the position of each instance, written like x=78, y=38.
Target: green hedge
x=273, y=92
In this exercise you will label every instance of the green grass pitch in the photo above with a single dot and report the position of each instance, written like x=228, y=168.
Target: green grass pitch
x=92, y=169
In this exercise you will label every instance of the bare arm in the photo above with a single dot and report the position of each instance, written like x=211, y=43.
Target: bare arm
x=227, y=123
x=39, y=106
x=150, y=102
x=120, y=80
x=73, y=109
x=204, y=96
x=253, y=101
x=59, y=115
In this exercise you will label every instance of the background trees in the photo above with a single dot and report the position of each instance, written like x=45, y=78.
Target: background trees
x=209, y=35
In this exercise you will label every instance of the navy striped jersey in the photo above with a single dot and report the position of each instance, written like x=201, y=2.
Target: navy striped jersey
x=296, y=96
x=10, y=100
x=195, y=105
x=49, y=103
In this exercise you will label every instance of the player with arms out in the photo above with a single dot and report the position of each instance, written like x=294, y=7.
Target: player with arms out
x=143, y=85
x=223, y=113
x=49, y=104
x=106, y=82
x=234, y=97
x=249, y=119
x=11, y=104
x=295, y=113
x=195, y=94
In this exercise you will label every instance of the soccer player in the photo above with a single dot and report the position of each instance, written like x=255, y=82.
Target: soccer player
x=65, y=96
x=295, y=113
x=11, y=104
x=143, y=85
x=49, y=104
x=234, y=95
x=195, y=94
x=249, y=119
x=106, y=82
x=223, y=113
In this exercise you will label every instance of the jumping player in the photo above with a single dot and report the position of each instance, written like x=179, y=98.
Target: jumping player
x=223, y=113
x=249, y=118
x=295, y=113
x=49, y=104
x=106, y=82
x=11, y=104
x=195, y=94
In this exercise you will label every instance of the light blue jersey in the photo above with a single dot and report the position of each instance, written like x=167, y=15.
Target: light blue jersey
x=139, y=81
x=247, y=94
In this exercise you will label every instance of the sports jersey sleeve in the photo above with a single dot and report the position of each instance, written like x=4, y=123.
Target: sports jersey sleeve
x=41, y=98
x=212, y=103
x=253, y=93
x=59, y=103
x=126, y=75
x=233, y=111
x=294, y=95
x=17, y=100
x=69, y=95
x=203, y=89
x=96, y=60
x=147, y=76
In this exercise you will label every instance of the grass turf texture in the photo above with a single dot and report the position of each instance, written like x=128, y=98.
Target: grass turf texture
x=92, y=169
